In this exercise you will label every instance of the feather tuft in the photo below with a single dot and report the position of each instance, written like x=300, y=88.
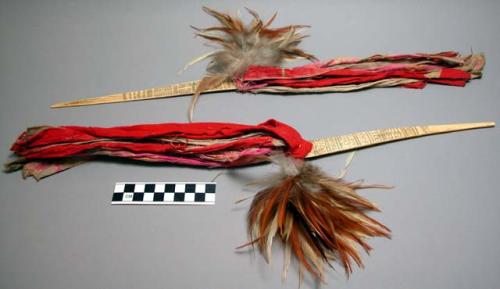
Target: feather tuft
x=320, y=219
x=253, y=44
x=242, y=45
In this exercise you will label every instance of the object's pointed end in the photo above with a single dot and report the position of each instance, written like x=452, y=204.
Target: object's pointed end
x=83, y=102
x=485, y=124
x=488, y=124
x=60, y=105
x=460, y=126
x=179, y=89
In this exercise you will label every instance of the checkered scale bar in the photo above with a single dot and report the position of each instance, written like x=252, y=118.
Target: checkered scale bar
x=158, y=193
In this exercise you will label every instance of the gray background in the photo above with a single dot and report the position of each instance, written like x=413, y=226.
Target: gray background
x=62, y=232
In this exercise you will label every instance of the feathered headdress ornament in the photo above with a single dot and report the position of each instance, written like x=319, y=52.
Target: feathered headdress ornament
x=320, y=219
x=249, y=58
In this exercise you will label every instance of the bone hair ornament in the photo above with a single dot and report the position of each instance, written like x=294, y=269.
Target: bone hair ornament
x=249, y=58
x=319, y=219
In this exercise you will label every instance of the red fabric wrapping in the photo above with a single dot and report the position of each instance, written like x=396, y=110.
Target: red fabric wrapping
x=447, y=68
x=47, y=150
x=56, y=142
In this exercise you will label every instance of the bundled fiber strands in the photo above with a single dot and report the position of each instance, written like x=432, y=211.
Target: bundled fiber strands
x=349, y=74
x=43, y=150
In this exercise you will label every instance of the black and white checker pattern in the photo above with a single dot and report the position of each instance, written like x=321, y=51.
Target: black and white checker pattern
x=157, y=193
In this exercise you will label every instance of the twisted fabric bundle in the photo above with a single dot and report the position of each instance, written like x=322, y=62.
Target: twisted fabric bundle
x=47, y=150
x=350, y=73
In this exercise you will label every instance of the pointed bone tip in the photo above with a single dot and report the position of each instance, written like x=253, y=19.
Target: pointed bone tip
x=483, y=124
x=463, y=126
x=75, y=103
x=68, y=104
x=58, y=105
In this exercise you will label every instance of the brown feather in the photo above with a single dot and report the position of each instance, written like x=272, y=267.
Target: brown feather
x=319, y=218
x=206, y=83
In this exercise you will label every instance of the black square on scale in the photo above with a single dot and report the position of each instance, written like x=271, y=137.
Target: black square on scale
x=210, y=188
x=138, y=197
x=129, y=188
x=117, y=197
x=199, y=197
x=169, y=188
x=179, y=197
x=190, y=188
x=158, y=197
x=149, y=188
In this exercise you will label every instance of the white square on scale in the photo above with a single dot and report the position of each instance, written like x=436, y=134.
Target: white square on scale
x=210, y=198
x=139, y=188
x=180, y=188
x=159, y=188
x=168, y=197
x=200, y=188
x=119, y=188
x=128, y=197
x=189, y=197
x=148, y=197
